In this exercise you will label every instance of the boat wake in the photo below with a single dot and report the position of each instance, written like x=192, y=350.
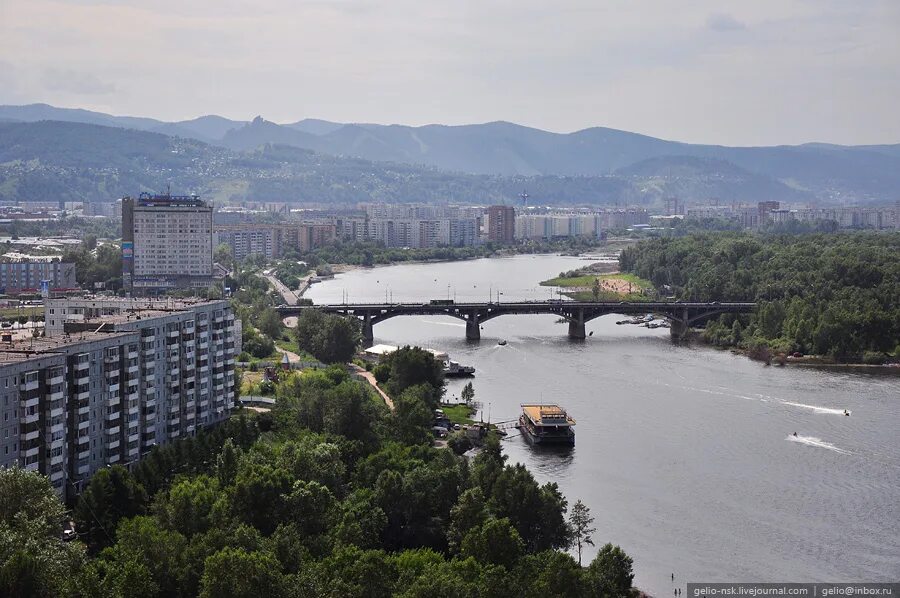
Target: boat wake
x=455, y=324
x=818, y=443
x=817, y=409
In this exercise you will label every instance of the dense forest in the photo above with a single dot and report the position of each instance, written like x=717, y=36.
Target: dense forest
x=329, y=494
x=826, y=294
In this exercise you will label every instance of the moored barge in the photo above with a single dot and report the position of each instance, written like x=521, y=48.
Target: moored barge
x=546, y=425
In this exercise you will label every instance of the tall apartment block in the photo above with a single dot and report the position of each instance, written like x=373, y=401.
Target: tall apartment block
x=501, y=223
x=29, y=275
x=166, y=243
x=271, y=240
x=112, y=379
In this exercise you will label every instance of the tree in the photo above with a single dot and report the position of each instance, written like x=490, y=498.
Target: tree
x=227, y=463
x=269, y=323
x=495, y=541
x=187, y=507
x=330, y=338
x=33, y=560
x=224, y=255
x=412, y=366
x=580, y=529
x=111, y=495
x=235, y=573
x=610, y=573
x=595, y=289
x=412, y=415
x=468, y=393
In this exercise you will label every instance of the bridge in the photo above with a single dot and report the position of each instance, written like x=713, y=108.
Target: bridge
x=681, y=314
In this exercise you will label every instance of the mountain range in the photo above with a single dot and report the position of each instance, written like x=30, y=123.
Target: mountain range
x=648, y=167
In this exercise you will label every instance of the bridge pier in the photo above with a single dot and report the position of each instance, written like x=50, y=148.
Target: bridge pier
x=473, y=328
x=368, y=332
x=678, y=327
x=576, y=325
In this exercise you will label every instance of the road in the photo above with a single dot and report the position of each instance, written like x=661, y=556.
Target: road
x=289, y=296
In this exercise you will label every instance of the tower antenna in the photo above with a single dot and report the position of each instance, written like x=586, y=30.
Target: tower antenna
x=524, y=197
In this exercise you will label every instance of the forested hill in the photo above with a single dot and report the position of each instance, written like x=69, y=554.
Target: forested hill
x=85, y=162
x=836, y=294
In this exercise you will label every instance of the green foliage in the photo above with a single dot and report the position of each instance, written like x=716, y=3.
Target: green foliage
x=104, y=264
x=111, y=495
x=33, y=560
x=330, y=338
x=610, y=573
x=235, y=573
x=827, y=294
x=495, y=541
x=411, y=366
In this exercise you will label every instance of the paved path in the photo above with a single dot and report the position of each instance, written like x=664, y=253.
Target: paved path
x=370, y=378
x=292, y=357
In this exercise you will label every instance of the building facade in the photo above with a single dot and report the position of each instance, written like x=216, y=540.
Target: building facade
x=501, y=224
x=167, y=243
x=112, y=379
x=29, y=276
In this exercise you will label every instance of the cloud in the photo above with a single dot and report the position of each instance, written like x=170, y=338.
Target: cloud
x=74, y=82
x=724, y=22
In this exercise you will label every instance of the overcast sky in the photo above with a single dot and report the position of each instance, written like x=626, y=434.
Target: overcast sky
x=748, y=72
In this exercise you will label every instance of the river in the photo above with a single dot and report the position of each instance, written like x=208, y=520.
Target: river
x=684, y=454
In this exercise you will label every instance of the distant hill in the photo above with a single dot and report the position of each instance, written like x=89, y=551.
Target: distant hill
x=77, y=161
x=825, y=172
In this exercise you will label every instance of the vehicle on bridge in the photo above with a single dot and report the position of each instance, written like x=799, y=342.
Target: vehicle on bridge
x=441, y=302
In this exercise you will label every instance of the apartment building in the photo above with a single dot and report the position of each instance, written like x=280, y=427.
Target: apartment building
x=558, y=226
x=167, y=243
x=272, y=240
x=113, y=378
x=501, y=224
x=30, y=275
x=410, y=232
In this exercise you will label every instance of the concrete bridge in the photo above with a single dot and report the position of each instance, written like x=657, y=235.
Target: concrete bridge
x=681, y=314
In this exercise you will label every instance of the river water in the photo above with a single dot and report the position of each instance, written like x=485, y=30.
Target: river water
x=684, y=454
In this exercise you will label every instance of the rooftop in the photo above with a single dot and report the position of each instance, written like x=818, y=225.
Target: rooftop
x=23, y=349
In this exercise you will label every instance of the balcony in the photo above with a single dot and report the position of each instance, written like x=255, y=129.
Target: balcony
x=112, y=415
x=150, y=377
x=83, y=440
x=33, y=435
x=113, y=445
x=32, y=402
x=57, y=476
x=84, y=469
x=32, y=452
x=114, y=458
x=113, y=401
x=85, y=424
x=173, y=334
x=113, y=431
x=134, y=437
x=81, y=366
x=174, y=434
x=151, y=429
x=58, y=412
x=132, y=354
x=114, y=387
x=83, y=455
x=29, y=386
x=56, y=380
x=57, y=396
x=32, y=466
x=83, y=396
x=57, y=460
x=60, y=427
x=189, y=415
x=111, y=359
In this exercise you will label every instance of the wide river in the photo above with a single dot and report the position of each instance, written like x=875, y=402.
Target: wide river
x=685, y=454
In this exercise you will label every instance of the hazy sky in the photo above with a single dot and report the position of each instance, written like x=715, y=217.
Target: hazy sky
x=732, y=72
